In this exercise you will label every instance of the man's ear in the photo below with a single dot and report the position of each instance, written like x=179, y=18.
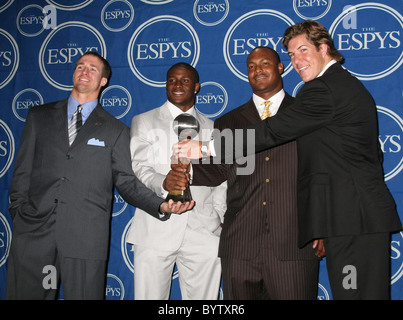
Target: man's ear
x=104, y=81
x=197, y=87
x=280, y=67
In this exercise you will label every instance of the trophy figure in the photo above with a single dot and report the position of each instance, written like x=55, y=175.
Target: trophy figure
x=186, y=127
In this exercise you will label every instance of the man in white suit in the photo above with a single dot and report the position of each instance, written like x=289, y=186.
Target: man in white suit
x=189, y=240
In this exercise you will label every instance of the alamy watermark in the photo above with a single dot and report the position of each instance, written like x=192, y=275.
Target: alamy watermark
x=50, y=18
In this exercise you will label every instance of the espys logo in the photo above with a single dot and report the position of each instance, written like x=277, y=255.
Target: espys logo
x=126, y=248
x=115, y=289
x=119, y=204
x=159, y=43
x=323, y=294
x=69, y=5
x=212, y=99
x=5, y=239
x=30, y=20
x=5, y=5
x=390, y=134
x=9, y=58
x=7, y=148
x=251, y=30
x=59, y=52
x=378, y=43
x=396, y=257
x=116, y=100
x=25, y=100
x=311, y=9
x=210, y=13
x=117, y=15
x=156, y=1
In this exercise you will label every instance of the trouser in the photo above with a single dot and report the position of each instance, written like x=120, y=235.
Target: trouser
x=35, y=270
x=359, y=266
x=267, y=278
x=199, y=269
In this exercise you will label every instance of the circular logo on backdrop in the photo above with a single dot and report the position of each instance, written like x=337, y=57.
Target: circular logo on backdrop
x=253, y=29
x=7, y=148
x=361, y=32
x=313, y=10
x=210, y=13
x=116, y=100
x=390, y=139
x=59, y=52
x=119, y=204
x=69, y=5
x=115, y=289
x=5, y=5
x=159, y=43
x=396, y=257
x=5, y=239
x=156, y=1
x=30, y=20
x=212, y=99
x=127, y=249
x=24, y=100
x=323, y=294
x=117, y=15
x=9, y=58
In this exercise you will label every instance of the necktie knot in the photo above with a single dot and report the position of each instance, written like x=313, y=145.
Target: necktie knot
x=266, y=112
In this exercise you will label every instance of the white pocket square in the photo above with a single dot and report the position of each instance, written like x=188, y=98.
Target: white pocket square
x=96, y=142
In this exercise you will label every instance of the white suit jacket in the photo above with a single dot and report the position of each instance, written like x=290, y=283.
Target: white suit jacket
x=151, y=140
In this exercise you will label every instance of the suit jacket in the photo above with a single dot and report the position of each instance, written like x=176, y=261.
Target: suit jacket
x=262, y=206
x=341, y=188
x=152, y=137
x=75, y=183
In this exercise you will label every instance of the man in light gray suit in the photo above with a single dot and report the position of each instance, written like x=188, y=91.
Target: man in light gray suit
x=189, y=240
x=61, y=193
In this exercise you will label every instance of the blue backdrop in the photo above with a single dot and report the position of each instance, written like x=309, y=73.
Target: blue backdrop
x=41, y=40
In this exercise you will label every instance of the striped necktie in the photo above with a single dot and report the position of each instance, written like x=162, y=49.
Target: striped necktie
x=75, y=124
x=266, y=112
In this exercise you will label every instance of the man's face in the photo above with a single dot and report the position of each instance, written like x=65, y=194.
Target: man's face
x=87, y=77
x=306, y=59
x=264, y=72
x=181, y=88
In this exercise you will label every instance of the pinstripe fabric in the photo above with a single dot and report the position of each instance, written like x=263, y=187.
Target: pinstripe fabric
x=262, y=210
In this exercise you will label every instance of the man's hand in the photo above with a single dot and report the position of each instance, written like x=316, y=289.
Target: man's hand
x=176, y=180
x=318, y=244
x=176, y=208
x=190, y=149
x=178, y=177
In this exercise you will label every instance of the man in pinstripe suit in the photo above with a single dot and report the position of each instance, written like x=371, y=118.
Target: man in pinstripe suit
x=259, y=240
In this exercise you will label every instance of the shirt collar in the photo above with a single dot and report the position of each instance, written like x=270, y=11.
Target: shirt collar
x=175, y=111
x=88, y=107
x=276, y=100
x=330, y=63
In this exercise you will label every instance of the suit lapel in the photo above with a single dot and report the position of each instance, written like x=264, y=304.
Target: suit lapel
x=249, y=113
x=59, y=115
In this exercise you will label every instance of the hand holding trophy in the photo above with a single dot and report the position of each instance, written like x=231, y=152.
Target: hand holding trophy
x=186, y=127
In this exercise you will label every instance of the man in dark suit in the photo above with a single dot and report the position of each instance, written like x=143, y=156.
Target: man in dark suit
x=342, y=196
x=259, y=240
x=61, y=192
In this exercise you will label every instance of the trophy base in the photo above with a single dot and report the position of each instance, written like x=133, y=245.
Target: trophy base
x=179, y=195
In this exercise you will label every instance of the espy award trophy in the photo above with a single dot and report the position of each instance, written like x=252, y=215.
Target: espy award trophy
x=186, y=127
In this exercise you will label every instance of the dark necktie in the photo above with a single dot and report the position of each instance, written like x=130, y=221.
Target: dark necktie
x=75, y=124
